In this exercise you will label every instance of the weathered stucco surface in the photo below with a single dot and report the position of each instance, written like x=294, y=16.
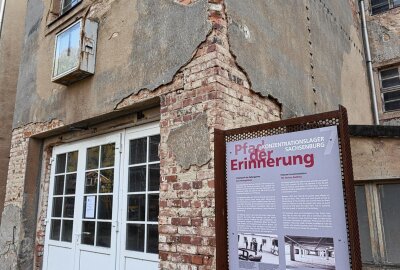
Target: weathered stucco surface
x=12, y=34
x=375, y=158
x=160, y=37
x=304, y=53
x=190, y=143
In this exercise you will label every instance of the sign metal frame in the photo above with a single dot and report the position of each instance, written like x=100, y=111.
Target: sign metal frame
x=334, y=118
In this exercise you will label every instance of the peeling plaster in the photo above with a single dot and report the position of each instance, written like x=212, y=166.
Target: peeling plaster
x=190, y=143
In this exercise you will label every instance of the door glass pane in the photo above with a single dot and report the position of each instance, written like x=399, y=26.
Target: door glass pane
x=103, y=238
x=153, y=145
x=363, y=225
x=136, y=207
x=92, y=158
x=88, y=228
x=91, y=182
x=105, y=207
x=138, y=151
x=106, y=181
x=60, y=163
x=57, y=207
x=152, y=238
x=390, y=208
x=66, y=235
x=69, y=206
x=59, y=185
x=137, y=179
x=55, y=229
x=153, y=207
x=154, y=177
x=135, y=237
x=72, y=161
x=107, y=155
x=70, y=184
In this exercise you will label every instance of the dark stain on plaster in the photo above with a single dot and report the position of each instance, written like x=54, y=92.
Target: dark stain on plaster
x=270, y=41
x=190, y=143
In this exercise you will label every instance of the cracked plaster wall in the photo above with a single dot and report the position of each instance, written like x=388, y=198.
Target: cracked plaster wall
x=12, y=33
x=141, y=45
x=373, y=158
x=304, y=53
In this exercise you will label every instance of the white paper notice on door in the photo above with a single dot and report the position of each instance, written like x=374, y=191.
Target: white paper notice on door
x=90, y=206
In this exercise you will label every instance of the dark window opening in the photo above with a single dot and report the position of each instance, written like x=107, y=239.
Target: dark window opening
x=378, y=6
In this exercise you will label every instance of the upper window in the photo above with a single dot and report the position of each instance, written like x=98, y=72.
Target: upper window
x=378, y=6
x=68, y=4
x=390, y=83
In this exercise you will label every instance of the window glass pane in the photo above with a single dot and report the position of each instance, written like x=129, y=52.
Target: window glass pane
x=153, y=207
x=72, y=161
x=92, y=158
x=106, y=181
x=396, y=3
x=60, y=163
x=105, y=207
x=154, y=177
x=69, y=203
x=103, y=238
x=389, y=73
x=390, y=208
x=135, y=237
x=136, y=207
x=70, y=184
x=391, y=106
x=67, y=50
x=55, y=229
x=57, y=207
x=137, y=179
x=391, y=95
x=138, y=151
x=59, y=185
x=153, y=144
x=91, y=182
x=379, y=5
x=107, y=155
x=152, y=239
x=363, y=225
x=88, y=232
x=391, y=82
x=66, y=235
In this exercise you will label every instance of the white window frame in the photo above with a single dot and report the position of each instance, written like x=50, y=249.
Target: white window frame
x=76, y=67
x=389, y=89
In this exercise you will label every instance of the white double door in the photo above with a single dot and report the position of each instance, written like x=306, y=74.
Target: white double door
x=103, y=203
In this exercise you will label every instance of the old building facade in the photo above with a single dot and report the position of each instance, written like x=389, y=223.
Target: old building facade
x=112, y=159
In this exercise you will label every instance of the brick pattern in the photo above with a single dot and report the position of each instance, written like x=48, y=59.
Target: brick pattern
x=17, y=172
x=215, y=86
